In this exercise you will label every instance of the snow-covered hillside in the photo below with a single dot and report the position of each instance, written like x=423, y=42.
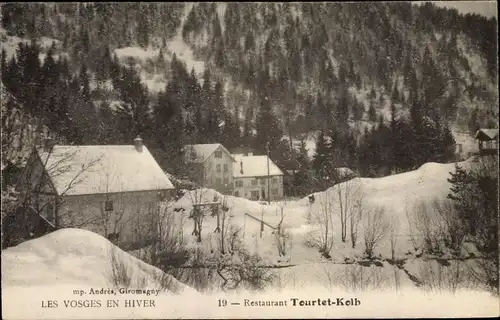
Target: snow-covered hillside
x=78, y=258
x=397, y=194
x=156, y=81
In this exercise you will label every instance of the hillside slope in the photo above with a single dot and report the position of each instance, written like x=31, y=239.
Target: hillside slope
x=249, y=75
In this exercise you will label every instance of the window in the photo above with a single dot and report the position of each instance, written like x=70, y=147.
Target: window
x=254, y=182
x=254, y=194
x=262, y=181
x=218, y=154
x=236, y=194
x=226, y=168
x=239, y=183
x=108, y=205
x=218, y=168
x=274, y=191
x=218, y=181
x=275, y=180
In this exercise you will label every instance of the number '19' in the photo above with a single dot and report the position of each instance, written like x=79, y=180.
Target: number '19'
x=222, y=303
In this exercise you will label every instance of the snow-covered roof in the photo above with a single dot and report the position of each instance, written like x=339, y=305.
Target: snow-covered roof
x=489, y=133
x=79, y=170
x=254, y=166
x=199, y=153
x=344, y=172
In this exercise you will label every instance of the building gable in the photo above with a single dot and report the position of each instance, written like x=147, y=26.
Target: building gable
x=199, y=153
x=224, y=155
x=487, y=134
x=254, y=166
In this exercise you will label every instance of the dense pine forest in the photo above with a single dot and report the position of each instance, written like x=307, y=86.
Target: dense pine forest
x=381, y=86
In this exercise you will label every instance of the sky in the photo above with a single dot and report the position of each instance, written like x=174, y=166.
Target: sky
x=486, y=8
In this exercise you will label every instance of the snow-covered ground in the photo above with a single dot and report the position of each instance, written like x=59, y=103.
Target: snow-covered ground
x=396, y=193
x=74, y=259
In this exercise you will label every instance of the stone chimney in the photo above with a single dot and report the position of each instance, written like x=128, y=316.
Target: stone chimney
x=48, y=144
x=138, y=144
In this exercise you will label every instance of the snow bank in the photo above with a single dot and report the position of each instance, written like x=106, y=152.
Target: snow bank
x=396, y=193
x=73, y=258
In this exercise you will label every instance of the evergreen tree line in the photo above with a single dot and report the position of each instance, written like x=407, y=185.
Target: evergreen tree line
x=187, y=111
x=296, y=56
x=298, y=51
x=398, y=146
x=84, y=28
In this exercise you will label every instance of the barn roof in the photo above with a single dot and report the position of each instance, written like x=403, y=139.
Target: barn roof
x=98, y=169
x=487, y=134
x=202, y=151
x=254, y=166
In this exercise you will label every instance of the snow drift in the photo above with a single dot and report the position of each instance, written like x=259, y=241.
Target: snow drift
x=75, y=258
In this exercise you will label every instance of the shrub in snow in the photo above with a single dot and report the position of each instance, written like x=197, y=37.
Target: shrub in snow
x=436, y=277
x=354, y=278
x=375, y=229
x=321, y=236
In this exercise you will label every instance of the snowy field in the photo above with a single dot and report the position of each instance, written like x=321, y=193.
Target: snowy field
x=70, y=259
x=396, y=193
x=304, y=266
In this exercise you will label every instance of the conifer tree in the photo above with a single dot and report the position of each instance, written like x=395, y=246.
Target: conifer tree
x=320, y=158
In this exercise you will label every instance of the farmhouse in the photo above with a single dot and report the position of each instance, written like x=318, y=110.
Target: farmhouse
x=210, y=166
x=487, y=141
x=257, y=177
x=113, y=190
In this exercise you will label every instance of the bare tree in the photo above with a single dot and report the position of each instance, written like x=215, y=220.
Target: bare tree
x=353, y=278
x=375, y=229
x=426, y=227
x=322, y=237
x=201, y=172
x=36, y=191
x=227, y=233
x=397, y=281
x=393, y=236
x=348, y=197
x=451, y=227
x=168, y=245
x=282, y=236
x=411, y=228
x=355, y=217
x=437, y=277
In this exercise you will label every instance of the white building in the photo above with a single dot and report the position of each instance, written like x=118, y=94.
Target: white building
x=251, y=177
x=113, y=190
x=210, y=165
